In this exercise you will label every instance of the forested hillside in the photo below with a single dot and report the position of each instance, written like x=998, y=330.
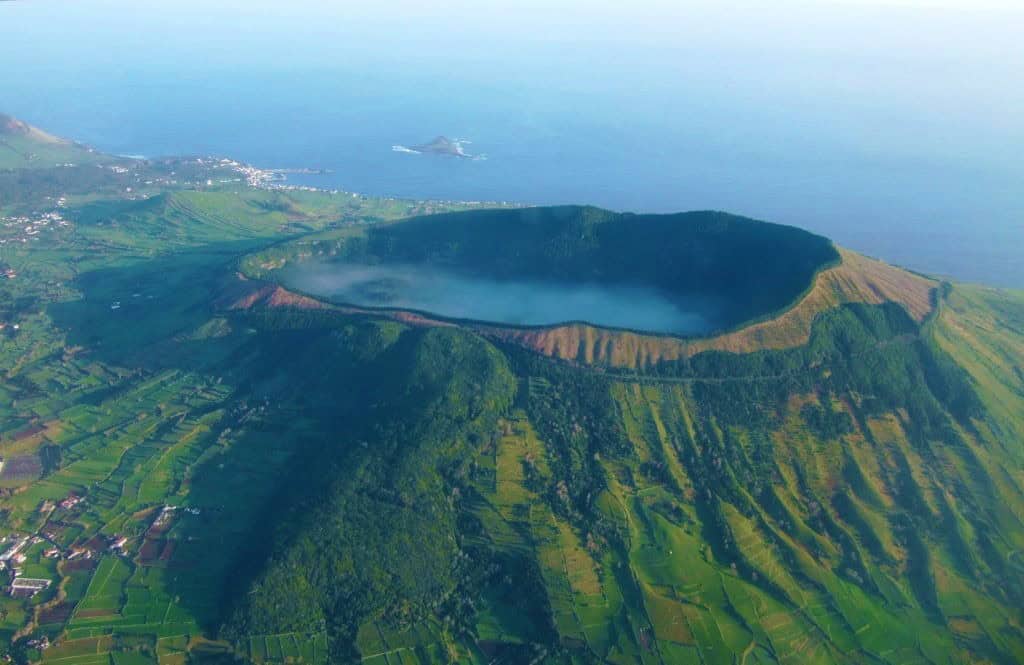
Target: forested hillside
x=851, y=500
x=197, y=466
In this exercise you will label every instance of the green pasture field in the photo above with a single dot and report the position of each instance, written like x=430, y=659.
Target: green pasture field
x=484, y=504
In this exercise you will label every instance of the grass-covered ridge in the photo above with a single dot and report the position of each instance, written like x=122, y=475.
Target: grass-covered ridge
x=552, y=243
x=23, y=146
x=300, y=483
x=835, y=502
x=749, y=269
x=857, y=279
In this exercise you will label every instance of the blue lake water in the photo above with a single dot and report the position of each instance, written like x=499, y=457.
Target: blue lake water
x=518, y=302
x=906, y=145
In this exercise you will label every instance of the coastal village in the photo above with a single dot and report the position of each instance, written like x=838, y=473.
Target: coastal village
x=197, y=173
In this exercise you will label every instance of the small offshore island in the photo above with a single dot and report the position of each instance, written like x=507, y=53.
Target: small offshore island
x=246, y=422
x=442, y=145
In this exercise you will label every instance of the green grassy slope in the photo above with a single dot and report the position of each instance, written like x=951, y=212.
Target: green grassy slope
x=308, y=486
x=842, y=502
x=841, y=479
x=25, y=147
x=120, y=383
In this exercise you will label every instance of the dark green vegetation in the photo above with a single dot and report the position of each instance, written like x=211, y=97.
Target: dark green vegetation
x=746, y=269
x=301, y=485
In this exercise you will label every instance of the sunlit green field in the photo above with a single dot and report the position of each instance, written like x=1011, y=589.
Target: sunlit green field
x=213, y=479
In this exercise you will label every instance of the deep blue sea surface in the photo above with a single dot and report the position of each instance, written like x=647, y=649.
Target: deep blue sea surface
x=899, y=132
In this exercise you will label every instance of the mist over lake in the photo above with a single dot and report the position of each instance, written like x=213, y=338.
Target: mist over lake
x=516, y=302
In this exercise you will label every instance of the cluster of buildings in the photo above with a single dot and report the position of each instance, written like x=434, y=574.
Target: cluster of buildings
x=93, y=547
x=15, y=551
x=162, y=523
x=254, y=177
x=163, y=519
x=71, y=501
x=10, y=561
x=269, y=178
x=27, y=227
x=42, y=643
x=14, y=556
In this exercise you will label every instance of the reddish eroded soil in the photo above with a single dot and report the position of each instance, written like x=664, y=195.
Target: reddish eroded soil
x=856, y=279
x=29, y=431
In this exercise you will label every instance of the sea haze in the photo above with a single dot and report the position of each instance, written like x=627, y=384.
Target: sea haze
x=516, y=302
x=891, y=126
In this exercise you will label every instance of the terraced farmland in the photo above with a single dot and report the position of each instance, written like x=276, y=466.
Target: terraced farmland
x=201, y=467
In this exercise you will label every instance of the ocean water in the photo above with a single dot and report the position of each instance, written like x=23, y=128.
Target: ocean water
x=894, y=128
x=517, y=302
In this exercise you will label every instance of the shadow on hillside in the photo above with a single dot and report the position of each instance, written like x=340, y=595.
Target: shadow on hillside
x=130, y=315
x=303, y=390
x=285, y=391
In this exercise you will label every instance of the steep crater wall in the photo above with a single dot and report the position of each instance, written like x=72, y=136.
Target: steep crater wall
x=735, y=270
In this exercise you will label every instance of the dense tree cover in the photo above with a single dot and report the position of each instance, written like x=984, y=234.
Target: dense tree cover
x=573, y=412
x=365, y=490
x=826, y=422
x=385, y=526
x=371, y=531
